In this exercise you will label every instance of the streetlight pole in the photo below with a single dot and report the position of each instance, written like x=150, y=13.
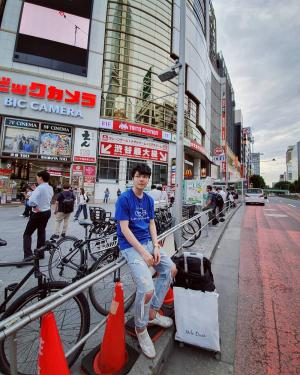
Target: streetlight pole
x=180, y=118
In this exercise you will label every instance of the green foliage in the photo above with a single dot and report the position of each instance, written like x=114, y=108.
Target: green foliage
x=282, y=185
x=257, y=181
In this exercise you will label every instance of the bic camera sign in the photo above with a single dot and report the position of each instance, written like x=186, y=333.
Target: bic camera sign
x=46, y=98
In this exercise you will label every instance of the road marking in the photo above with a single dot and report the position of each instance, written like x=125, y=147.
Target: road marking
x=276, y=215
x=291, y=205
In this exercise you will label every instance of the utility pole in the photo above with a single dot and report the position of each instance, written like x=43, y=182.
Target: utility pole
x=180, y=120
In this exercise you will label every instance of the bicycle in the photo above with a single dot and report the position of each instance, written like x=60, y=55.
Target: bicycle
x=73, y=265
x=75, y=310
x=191, y=231
x=105, y=232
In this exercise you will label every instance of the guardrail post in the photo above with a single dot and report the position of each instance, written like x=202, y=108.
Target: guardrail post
x=12, y=348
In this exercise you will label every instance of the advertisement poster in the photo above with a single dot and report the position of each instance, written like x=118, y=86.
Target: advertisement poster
x=89, y=174
x=55, y=144
x=195, y=191
x=85, y=146
x=21, y=140
x=117, y=146
x=77, y=170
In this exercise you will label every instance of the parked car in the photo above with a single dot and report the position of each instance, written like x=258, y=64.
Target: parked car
x=254, y=195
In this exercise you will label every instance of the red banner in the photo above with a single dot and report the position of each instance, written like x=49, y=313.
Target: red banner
x=196, y=146
x=115, y=145
x=90, y=174
x=128, y=127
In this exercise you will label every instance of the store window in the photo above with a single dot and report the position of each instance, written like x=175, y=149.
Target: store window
x=160, y=174
x=108, y=169
x=2, y=6
x=130, y=165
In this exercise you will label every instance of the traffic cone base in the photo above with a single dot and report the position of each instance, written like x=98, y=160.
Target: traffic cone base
x=87, y=364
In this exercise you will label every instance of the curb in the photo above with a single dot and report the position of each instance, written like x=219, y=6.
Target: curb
x=165, y=343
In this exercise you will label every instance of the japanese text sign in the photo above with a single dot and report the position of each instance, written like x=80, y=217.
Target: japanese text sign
x=85, y=146
x=131, y=147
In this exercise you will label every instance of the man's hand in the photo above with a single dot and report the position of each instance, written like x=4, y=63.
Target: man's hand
x=156, y=254
x=148, y=258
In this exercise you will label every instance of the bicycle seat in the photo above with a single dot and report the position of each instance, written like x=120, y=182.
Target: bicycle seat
x=85, y=223
x=3, y=242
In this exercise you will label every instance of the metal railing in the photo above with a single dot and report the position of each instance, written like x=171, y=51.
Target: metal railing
x=10, y=325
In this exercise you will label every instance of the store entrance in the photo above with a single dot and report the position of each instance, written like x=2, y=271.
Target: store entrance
x=23, y=173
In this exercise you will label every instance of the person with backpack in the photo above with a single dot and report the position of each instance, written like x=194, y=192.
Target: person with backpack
x=211, y=203
x=220, y=202
x=64, y=206
x=83, y=200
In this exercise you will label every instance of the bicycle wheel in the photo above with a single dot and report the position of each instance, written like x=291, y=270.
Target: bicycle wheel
x=65, y=261
x=188, y=234
x=72, y=319
x=102, y=292
x=100, y=244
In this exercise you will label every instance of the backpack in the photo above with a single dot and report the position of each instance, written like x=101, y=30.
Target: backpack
x=68, y=203
x=219, y=200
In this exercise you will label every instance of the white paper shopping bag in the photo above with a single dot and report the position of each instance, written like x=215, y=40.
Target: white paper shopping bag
x=196, y=317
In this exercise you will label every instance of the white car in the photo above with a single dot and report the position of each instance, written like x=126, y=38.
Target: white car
x=254, y=195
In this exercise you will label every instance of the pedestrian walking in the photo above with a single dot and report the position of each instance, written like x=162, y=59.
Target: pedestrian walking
x=154, y=193
x=137, y=237
x=64, y=206
x=163, y=198
x=119, y=192
x=106, y=195
x=211, y=204
x=83, y=199
x=40, y=201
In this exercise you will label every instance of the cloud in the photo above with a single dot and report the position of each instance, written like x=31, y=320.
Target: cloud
x=259, y=41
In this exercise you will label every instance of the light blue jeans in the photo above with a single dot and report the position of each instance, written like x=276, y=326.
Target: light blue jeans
x=144, y=282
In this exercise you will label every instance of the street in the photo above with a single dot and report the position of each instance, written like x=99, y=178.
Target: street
x=256, y=269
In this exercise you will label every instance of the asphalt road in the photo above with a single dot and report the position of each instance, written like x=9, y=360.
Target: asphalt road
x=257, y=274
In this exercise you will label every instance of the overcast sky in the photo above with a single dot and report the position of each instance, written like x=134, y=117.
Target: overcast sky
x=259, y=40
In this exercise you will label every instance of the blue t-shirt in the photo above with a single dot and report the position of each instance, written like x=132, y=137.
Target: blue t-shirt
x=138, y=212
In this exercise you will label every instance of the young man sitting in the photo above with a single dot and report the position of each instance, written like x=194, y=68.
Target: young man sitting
x=138, y=242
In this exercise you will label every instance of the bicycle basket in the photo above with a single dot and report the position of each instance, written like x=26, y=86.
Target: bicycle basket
x=97, y=214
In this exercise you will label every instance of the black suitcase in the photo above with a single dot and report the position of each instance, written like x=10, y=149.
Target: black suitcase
x=194, y=272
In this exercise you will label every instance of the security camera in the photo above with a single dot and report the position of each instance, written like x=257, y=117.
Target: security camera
x=169, y=73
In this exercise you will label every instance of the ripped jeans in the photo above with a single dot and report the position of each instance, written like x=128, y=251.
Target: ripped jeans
x=144, y=282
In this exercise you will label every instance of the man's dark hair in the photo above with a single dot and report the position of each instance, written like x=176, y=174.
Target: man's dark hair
x=66, y=186
x=218, y=188
x=159, y=188
x=142, y=169
x=45, y=175
x=153, y=186
x=209, y=187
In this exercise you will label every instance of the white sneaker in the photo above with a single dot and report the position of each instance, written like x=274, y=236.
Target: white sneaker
x=146, y=343
x=162, y=321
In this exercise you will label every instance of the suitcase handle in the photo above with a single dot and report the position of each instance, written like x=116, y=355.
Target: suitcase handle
x=185, y=256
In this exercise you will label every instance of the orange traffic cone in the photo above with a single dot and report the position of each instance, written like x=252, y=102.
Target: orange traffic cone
x=112, y=356
x=169, y=298
x=52, y=359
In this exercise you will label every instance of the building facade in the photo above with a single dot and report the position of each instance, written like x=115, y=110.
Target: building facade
x=255, y=161
x=86, y=103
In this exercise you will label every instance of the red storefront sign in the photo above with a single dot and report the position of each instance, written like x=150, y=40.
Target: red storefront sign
x=128, y=127
x=42, y=91
x=90, y=174
x=5, y=172
x=118, y=146
x=77, y=170
x=54, y=172
x=196, y=146
x=224, y=166
x=218, y=151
